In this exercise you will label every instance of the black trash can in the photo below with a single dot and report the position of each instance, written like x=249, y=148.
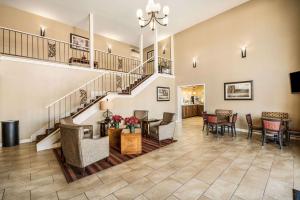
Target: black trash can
x=10, y=133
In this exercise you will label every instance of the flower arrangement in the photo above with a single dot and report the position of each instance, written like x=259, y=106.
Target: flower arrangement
x=131, y=122
x=117, y=120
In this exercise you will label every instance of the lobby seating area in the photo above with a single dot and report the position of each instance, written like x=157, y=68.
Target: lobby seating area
x=155, y=100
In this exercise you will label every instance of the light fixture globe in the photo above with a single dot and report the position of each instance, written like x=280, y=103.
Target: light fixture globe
x=139, y=13
x=166, y=10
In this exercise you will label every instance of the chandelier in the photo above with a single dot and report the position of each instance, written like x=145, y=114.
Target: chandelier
x=152, y=10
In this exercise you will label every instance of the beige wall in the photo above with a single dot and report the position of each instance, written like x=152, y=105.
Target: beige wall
x=26, y=88
x=166, y=43
x=28, y=22
x=271, y=31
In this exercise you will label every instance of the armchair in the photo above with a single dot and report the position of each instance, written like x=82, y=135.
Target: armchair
x=80, y=151
x=165, y=128
x=87, y=129
x=141, y=115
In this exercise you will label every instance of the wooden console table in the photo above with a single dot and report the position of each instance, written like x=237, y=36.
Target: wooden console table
x=124, y=141
x=82, y=61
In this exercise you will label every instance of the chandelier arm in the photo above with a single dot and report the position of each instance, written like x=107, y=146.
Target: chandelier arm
x=162, y=17
x=148, y=22
x=159, y=22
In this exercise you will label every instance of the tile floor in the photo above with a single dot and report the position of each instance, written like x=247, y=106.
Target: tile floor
x=196, y=167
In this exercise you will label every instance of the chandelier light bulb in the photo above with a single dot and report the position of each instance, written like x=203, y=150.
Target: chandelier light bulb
x=166, y=10
x=141, y=23
x=165, y=20
x=157, y=7
x=139, y=13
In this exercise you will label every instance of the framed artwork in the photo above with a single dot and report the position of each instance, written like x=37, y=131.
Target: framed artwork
x=242, y=90
x=163, y=93
x=79, y=42
x=150, y=54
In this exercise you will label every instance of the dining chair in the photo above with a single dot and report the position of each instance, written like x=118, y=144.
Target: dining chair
x=204, y=116
x=251, y=127
x=213, y=123
x=273, y=128
x=231, y=124
x=277, y=115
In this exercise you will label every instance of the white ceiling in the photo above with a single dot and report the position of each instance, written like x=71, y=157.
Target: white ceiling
x=116, y=19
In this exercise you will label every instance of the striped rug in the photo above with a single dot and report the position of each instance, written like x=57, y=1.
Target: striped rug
x=115, y=158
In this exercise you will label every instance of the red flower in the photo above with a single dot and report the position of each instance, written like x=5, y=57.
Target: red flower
x=117, y=118
x=130, y=121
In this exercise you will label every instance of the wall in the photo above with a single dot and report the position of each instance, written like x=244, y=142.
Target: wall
x=28, y=22
x=166, y=43
x=271, y=32
x=26, y=88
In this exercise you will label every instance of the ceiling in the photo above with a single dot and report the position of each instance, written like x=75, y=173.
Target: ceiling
x=116, y=19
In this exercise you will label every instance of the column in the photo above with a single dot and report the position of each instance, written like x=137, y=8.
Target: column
x=141, y=48
x=172, y=55
x=91, y=33
x=155, y=51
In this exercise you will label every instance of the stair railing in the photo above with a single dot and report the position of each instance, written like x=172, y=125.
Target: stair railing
x=32, y=46
x=138, y=73
x=79, y=99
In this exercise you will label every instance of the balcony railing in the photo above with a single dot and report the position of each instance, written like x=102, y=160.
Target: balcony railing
x=27, y=45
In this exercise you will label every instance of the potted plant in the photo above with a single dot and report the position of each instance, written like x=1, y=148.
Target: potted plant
x=131, y=122
x=116, y=120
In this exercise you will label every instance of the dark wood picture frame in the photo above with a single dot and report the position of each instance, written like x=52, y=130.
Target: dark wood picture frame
x=149, y=55
x=72, y=46
x=236, y=83
x=158, y=97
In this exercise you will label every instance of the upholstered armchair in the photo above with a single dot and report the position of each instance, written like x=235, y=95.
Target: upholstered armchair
x=87, y=129
x=80, y=151
x=141, y=115
x=165, y=128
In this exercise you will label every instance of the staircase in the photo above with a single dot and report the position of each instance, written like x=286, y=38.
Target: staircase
x=79, y=100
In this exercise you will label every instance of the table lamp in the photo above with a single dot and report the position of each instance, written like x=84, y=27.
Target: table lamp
x=106, y=105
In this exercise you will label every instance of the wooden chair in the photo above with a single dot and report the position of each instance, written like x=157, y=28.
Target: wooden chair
x=231, y=125
x=213, y=123
x=278, y=115
x=251, y=127
x=223, y=115
x=272, y=128
x=204, y=116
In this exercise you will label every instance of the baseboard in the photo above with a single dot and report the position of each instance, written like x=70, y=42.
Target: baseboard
x=21, y=141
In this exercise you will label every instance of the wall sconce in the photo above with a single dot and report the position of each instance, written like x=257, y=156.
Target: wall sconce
x=42, y=31
x=194, y=62
x=109, y=48
x=164, y=50
x=244, y=52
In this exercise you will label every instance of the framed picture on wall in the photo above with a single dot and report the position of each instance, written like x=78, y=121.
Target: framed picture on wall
x=79, y=42
x=150, y=54
x=242, y=90
x=163, y=93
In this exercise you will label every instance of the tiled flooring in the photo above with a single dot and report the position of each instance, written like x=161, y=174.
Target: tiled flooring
x=196, y=167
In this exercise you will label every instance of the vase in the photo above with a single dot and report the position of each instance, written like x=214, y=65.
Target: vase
x=132, y=129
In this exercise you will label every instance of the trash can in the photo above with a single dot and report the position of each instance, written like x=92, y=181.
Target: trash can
x=10, y=133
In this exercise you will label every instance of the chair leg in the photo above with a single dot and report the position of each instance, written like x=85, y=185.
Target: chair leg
x=207, y=129
x=251, y=133
x=263, y=139
x=234, y=130
x=280, y=136
x=83, y=171
x=248, y=137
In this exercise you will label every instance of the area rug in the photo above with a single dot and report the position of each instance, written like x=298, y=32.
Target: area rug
x=115, y=158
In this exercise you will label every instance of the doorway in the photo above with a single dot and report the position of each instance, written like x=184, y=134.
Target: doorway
x=190, y=101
